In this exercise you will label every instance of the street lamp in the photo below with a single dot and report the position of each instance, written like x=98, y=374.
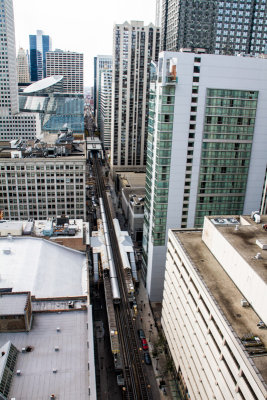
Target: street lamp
x=157, y=359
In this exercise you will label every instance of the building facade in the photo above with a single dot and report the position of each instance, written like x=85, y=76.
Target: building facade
x=221, y=27
x=102, y=63
x=105, y=107
x=211, y=311
x=12, y=124
x=40, y=44
x=206, y=149
x=70, y=65
x=134, y=47
x=40, y=186
x=22, y=66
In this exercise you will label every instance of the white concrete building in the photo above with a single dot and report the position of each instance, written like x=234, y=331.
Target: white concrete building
x=134, y=47
x=206, y=148
x=12, y=124
x=105, y=107
x=102, y=63
x=213, y=308
x=70, y=65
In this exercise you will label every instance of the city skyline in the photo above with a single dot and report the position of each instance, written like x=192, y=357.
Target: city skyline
x=91, y=24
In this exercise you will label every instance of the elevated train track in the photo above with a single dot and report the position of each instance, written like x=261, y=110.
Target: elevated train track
x=136, y=383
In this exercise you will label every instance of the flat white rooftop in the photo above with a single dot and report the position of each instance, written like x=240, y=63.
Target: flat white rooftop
x=13, y=304
x=37, y=380
x=44, y=268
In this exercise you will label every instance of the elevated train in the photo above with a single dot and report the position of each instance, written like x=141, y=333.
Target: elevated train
x=111, y=266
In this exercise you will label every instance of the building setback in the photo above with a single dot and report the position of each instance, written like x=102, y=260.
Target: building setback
x=12, y=124
x=213, y=302
x=206, y=150
x=221, y=27
x=70, y=65
x=134, y=47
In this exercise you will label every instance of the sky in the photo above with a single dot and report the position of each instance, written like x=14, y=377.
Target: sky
x=84, y=26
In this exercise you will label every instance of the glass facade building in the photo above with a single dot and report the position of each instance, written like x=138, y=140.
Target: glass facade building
x=40, y=44
x=206, y=147
x=221, y=27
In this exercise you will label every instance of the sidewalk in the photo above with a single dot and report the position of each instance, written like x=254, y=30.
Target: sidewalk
x=145, y=321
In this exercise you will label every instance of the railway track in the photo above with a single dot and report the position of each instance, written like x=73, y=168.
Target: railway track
x=136, y=383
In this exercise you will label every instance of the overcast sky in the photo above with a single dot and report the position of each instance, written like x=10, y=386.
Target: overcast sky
x=78, y=25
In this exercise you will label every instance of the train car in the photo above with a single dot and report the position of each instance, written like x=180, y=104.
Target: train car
x=111, y=266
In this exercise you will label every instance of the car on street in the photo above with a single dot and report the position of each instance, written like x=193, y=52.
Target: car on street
x=141, y=334
x=147, y=358
x=144, y=344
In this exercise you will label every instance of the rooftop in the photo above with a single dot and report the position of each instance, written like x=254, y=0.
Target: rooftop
x=42, y=267
x=43, y=84
x=13, y=303
x=228, y=297
x=70, y=379
x=244, y=241
x=133, y=179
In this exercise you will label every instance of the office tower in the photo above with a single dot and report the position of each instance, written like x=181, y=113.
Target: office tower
x=40, y=44
x=22, y=66
x=70, y=65
x=206, y=150
x=102, y=63
x=134, y=47
x=12, y=124
x=213, y=308
x=221, y=27
x=95, y=81
x=105, y=107
x=43, y=180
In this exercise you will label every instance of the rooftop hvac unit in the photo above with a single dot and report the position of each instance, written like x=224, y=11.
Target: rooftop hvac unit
x=18, y=372
x=58, y=329
x=56, y=348
x=54, y=370
x=244, y=303
x=7, y=251
x=23, y=350
x=258, y=256
x=52, y=396
x=262, y=245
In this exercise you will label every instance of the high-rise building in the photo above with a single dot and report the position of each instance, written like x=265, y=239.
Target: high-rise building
x=221, y=27
x=22, y=66
x=105, y=107
x=213, y=309
x=206, y=148
x=70, y=65
x=12, y=124
x=40, y=44
x=43, y=180
x=134, y=47
x=102, y=63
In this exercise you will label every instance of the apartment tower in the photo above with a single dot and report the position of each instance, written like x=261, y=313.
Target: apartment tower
x=70, y=65
x=134, y=47
x=105, y=107
x=221, y=27
x=206, y=148
x=102, y=63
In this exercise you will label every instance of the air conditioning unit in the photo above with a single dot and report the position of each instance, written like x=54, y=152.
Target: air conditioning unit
x=244, y=303
x=56, y=348
x=18, y=372
x=23, y=350
x=58, y=329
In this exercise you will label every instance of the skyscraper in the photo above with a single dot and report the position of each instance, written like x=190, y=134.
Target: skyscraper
x=70, y=65
x=134, y=47
x=40, y=44
x=221, y=27
x=206, y=148
x=105, y=107
x=22, y=66
x=12, y=124
x=103, y=63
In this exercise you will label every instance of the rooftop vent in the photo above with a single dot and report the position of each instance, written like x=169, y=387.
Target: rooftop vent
x=244, y=303
x=54, y=370
x=261, y=325
x=56, y=348
x=262, y=245
x=258, y=256
x=7, y=250
x=18, y=372
x=58, y=329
